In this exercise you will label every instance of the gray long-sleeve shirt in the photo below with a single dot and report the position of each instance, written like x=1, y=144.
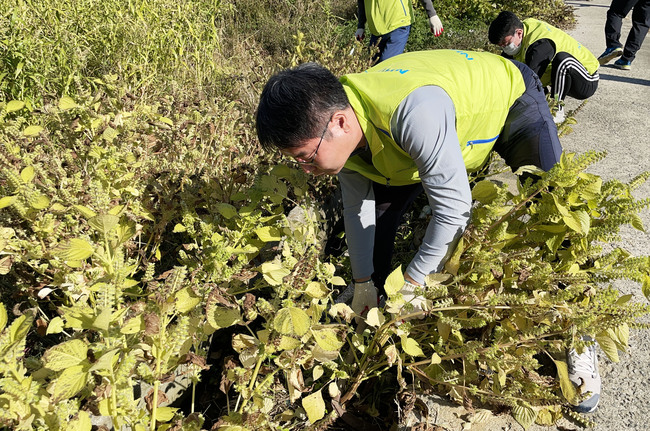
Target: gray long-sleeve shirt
x=361, y=11
x=424, y=125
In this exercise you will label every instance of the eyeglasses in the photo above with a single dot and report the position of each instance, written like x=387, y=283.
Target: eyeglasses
x=310, y=160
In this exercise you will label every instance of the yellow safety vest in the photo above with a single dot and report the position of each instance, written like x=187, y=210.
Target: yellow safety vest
x=481, y=85
x=535, y=30
x=384, y=16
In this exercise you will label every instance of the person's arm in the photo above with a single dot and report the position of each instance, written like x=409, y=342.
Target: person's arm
x=428, y=6
x=361, y=15
x=359, y=219
x=539, y=55
x=434, y=21
x=424, y=125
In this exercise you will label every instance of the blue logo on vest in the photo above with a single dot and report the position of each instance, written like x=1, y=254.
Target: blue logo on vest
x=466, y=55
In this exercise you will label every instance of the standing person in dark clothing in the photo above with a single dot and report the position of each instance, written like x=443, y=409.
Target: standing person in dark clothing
x=389, y=22
x=558, y=59
x=640, y=25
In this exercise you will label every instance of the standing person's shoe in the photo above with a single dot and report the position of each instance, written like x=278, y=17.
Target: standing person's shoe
x=623, y=64
x=583, y=372
x=610, y=54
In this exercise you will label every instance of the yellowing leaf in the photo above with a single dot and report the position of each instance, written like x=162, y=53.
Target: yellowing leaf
x=27, y=174
x=375, y=318
x=32, y=130
x=3, y=317
x=223, y=317
x=338, y=281
x=269, y=233
x=55, y=326
x=6, y=201
x=226, y=210
x=105, y=362
x=453, y=263
x=85, y=211
x=484, y=191
x=411, y=347
x=165, y=414
x=568, y=388
x=327, y=339
x=104, y=223
x=166, y=121
x=274, y=273
x=578, y=221
x=314, y=406
x=69, y=383
x=80, y=423
x=394, y=282
x=15, y=105
x=288, y=343
x=608, y=346
x=75, y=249
x=65, y=355
x=524, y=414
x=110, y=134
x=186, y=300
x=39, y=201
x=435, y=359
x=133, y=325
x=291, y=321
x=316, y=289
x=66, y=103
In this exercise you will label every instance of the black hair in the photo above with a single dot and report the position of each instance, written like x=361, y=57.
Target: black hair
x=503, y=25
x=296, y=103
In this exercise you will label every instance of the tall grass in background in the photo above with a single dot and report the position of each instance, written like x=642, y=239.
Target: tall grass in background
x=197, y=48
x=185, y=48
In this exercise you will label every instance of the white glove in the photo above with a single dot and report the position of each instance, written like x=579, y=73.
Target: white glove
x=360, y=34
x=365, y=298
x=436, y=25
x=409, y=296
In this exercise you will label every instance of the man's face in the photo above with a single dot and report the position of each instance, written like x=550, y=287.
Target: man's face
x=326, y=154
x=514, y=39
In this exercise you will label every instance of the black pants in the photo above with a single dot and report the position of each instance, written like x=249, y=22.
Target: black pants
x=528, y=137
x=570, y=78
x=640, y=24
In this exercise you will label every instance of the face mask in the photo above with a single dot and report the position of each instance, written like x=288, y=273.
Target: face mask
x=511, y=49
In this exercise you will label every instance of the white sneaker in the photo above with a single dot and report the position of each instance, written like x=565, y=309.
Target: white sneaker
x=583, y=372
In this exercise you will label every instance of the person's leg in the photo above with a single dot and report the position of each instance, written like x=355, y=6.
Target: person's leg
x=615, y=14
x=391, y=202
x=639, y=30
x=529, y=136
x=395, y=42
x=569, y=77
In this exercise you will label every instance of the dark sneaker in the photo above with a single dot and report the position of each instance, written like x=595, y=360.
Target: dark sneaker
x=583, y=372
x=623, y=64
x=610, y=54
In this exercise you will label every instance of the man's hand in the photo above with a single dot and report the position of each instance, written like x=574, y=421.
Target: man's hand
x=360, y=34
x=436, y=25
x=365, y=298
